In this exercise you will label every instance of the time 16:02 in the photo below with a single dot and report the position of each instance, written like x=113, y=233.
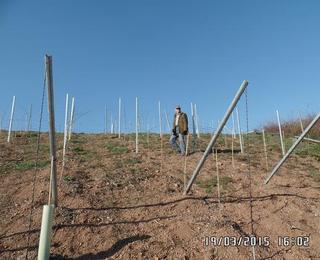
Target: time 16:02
x=300, y=241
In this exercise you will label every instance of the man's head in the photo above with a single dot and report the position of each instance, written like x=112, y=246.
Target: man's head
x=178, y=109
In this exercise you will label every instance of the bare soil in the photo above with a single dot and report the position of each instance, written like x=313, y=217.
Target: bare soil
x=116, y=204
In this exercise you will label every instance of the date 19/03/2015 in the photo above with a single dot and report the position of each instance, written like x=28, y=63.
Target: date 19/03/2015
x=286, y=241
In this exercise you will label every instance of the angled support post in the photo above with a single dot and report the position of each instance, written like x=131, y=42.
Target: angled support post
x=52, y=131
x=298, y=141
x=216, y=135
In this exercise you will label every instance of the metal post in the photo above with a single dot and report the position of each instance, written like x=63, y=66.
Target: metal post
x=310, y=139
x=111, y=125
x=280, y=133
x=233, y=127
x=216, y=135
x=45, y=232
x=52, y=136
x=285, y=157
x=119, y=119
x=160, y=119
x=301, y=124
x=167, y=120
x=137, y=135
x=197, y=120
x=105, y=119
x=193, y=128
x=29, y=119
x=65, y=130
x=11, y=118
x=71, y=118
x=26, y=129
x=265, y=148
x=240, y=132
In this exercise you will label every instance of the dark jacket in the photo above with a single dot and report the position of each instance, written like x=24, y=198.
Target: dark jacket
x=182, y=123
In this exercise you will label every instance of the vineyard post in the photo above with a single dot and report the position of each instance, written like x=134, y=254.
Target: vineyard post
x=11, y=118
x=265, y=148
x=65, y=130
x=52, y=132
x=216, y=135
x=296, y=143
x=280, y=133
x=167, y=120
x=137, y=134
x=71, y=118
x=119, y=119
x=240, y=132
x=197, y=120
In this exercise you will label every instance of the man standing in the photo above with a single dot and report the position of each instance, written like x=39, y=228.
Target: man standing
x=179, y=131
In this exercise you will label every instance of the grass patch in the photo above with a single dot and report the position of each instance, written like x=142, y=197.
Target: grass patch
x=132, y=161
x=23, y=166
x=79, y=150
x=116, y=148
x=315, y=174
x=84, y=155
x=68, y=178
x=309, y=150
x=209, y=185
x=77, y=141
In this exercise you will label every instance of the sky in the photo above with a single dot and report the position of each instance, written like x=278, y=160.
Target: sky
x=175, y=52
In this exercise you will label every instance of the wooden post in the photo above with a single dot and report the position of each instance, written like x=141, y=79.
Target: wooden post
x=137, y=130
x=11, y=118
x=239, y=129
x=52, y=137
x=65, y=131
x=280, y=133
x=71, y=118
x=119, y=119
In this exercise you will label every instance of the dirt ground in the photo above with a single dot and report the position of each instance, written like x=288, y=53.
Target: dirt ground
x=116, y=204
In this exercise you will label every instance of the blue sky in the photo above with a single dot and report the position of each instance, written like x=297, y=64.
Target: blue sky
x=173, y=51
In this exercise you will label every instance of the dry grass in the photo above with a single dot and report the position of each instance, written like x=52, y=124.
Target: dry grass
x=292, y=127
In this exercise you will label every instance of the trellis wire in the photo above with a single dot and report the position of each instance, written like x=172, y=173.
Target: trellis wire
x=36, y=166
x=249, y=171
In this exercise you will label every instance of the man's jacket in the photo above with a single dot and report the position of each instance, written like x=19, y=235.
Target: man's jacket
x=182, y=123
